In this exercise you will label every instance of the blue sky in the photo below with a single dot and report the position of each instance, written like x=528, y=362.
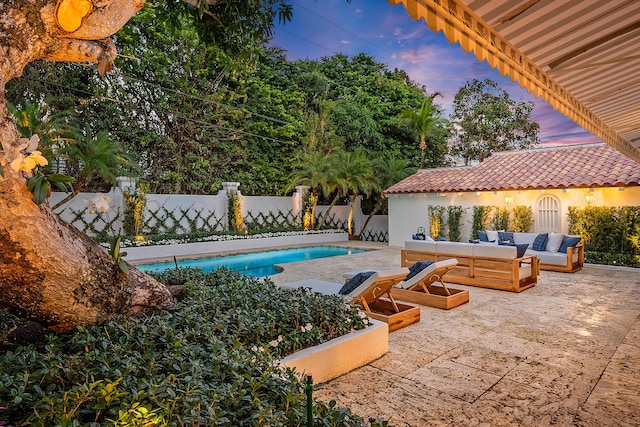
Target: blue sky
x=386, y=32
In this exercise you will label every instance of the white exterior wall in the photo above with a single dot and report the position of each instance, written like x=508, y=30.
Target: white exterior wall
x=407, y=212
x=207, y=204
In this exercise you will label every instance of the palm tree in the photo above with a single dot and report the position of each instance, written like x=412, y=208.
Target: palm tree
x=351, y=173
x=387, y=171
x=89, y=157
x=312, y=169
x=422, y=121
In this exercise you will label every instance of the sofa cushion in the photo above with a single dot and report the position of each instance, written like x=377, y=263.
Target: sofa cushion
x=521, y=238
x=568, y=241
x=455, y=248
x=495, y=251
x=540, y=242
x=553, y=242
x=505, y=236
x=420, y=245
x=416, y=268
x=355, y=281
x=482, y=236
x=553, y=258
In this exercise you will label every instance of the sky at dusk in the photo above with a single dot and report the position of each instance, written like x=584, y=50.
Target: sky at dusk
x=386, y=32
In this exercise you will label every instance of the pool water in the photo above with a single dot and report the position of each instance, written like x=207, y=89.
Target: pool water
x=258, y=264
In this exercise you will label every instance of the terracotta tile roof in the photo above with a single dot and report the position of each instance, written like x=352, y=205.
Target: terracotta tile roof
x=576, y=166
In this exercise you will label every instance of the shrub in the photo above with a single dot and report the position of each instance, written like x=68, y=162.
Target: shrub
x=500, y=219
x=480, y=218
x=454, y=219
x=522, y=219
x=209, y=361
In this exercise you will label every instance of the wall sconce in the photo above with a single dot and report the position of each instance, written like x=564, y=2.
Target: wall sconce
x=588, y=198
x=508, y=200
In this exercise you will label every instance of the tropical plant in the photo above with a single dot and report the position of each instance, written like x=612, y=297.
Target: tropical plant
x=350, y=173
x=53, y=128
x=87, y=157
x=423, y=122
x=387, y=171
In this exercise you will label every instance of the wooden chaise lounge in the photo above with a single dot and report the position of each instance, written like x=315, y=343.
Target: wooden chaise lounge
x=373, y=295
x=428, y=288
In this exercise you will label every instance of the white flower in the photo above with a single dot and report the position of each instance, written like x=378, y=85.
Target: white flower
x=273, y=343
x=362, y=314
x=308, y=326
x=279, y=338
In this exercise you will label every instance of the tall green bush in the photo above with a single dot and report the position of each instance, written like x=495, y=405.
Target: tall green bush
x=480, y=218
x=436, y=221
x=522, y=219
x=607, y=229
x=500, y=218
x=454, y=222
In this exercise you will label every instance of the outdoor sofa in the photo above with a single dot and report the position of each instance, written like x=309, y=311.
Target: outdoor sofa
x=483, y=265
x=555, y=251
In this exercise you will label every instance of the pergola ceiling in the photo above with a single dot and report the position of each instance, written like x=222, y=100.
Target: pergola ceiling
x=581, y=56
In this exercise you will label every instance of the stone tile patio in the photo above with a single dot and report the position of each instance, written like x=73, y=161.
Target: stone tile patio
x=564, y=353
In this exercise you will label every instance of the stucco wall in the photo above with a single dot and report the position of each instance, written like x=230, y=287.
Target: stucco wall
x=407, y=212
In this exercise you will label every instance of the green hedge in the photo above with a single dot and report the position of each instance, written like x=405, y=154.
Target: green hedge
x=209, y=361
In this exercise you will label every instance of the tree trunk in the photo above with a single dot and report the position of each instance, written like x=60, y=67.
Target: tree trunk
x=366, y=222
x=51, y=272
x=322, y=220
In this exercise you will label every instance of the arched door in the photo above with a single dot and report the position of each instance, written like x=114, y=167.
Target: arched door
x=548, y=214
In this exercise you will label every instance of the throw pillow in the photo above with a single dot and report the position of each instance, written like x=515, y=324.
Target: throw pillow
x=482, y=236
x=505, y=236
x=568, y=241
x=417, y=268
x=540, y=242
x=492, y=235
x=553, y=242
x=355, y=281
x=521, y=248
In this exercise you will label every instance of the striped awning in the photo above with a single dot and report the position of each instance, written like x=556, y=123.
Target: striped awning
x=582, y=58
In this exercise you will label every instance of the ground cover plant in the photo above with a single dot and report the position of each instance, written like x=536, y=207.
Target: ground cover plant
x=211, y=360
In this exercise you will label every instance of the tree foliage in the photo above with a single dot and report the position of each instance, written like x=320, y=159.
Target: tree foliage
x=485, y=119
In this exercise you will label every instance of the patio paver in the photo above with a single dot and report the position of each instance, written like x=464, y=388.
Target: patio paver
x=564, y=353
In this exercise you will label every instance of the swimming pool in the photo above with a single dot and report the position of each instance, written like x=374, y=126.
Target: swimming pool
x=258, y=264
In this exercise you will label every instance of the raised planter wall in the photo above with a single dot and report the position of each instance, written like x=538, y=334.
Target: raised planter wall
x=341, y=355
